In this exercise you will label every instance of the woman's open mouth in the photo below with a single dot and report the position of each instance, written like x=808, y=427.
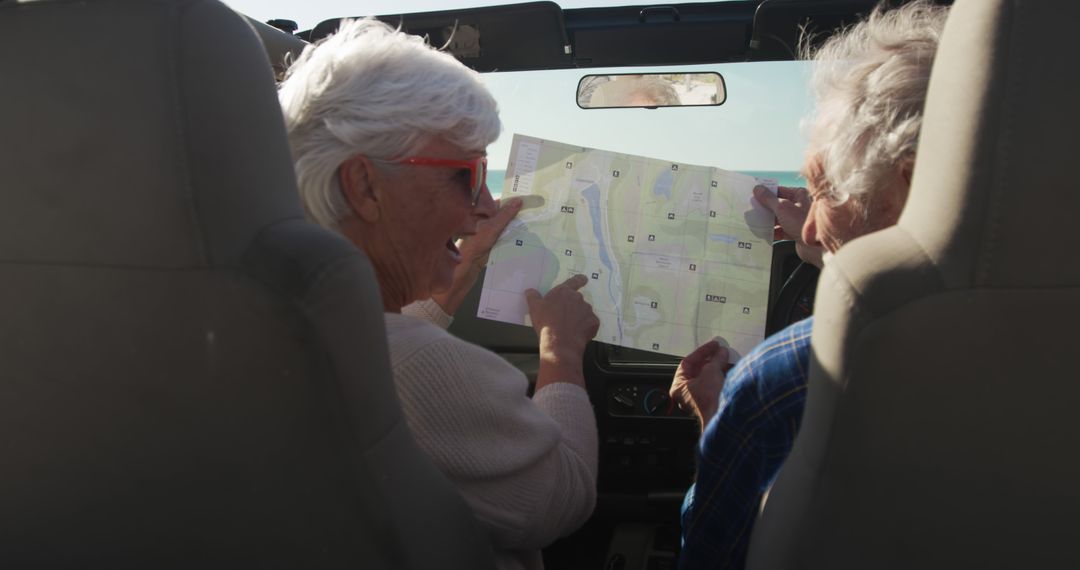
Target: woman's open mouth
x=451, y=245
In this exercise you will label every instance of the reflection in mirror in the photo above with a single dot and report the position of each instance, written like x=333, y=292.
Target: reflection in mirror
x=651, y=90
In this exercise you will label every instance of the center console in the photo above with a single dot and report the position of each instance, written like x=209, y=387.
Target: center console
x=646, y=440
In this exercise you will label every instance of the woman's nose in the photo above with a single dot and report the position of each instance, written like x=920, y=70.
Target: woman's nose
x=485, y=204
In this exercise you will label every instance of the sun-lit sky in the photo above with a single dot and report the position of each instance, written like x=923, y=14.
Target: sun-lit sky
x=757, y=129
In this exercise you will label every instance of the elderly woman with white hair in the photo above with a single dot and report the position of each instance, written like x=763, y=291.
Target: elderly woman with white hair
x=389, y=139
x=871, y=83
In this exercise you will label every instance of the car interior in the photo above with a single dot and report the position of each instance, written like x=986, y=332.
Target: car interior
x=183, y=385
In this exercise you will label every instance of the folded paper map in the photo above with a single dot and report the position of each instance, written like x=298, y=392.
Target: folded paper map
x=676, y=254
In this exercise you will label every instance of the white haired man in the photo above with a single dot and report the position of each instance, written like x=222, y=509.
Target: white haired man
x=870, y=82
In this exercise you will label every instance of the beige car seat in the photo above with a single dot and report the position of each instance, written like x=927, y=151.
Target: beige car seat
x=191, y=376
x=941, y=428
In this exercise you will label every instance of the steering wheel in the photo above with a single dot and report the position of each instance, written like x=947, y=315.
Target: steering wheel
x=795, y=301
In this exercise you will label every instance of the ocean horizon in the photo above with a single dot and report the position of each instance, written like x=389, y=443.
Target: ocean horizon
x=495, y=178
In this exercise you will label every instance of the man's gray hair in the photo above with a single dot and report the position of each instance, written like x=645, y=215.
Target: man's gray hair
x=870, y=82
x=370, y=90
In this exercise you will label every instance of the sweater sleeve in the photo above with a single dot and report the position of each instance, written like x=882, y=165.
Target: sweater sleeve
x=526, y=467
x=430, y=311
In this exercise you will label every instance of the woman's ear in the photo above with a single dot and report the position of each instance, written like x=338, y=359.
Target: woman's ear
x=357, y=178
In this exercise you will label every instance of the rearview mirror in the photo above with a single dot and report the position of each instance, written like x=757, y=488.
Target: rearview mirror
x=651, y=90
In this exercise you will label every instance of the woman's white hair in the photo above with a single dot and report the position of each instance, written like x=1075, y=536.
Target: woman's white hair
x=370, y=90
x=870, y=82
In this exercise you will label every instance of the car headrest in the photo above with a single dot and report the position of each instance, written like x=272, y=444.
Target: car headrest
x=194, y=167
x=990, y=203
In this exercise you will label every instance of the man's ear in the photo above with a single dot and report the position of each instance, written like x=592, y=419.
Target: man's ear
x=895, y=196
x=907, y=169
x=357, y=178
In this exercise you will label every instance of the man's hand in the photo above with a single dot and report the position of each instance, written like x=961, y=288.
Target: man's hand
x=699, y=379
x=791, y=206
x=475, y=250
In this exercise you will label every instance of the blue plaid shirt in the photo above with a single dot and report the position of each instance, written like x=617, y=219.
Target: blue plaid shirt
x=743, y=447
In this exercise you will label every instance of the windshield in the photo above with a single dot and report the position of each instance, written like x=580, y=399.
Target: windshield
x=756, y=131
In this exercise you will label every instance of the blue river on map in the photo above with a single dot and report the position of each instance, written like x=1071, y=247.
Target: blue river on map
x=592, y=195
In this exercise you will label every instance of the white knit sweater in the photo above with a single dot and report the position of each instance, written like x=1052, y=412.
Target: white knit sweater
x=527, y=467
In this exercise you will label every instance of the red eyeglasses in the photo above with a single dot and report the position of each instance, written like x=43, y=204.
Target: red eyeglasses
x=477, y=170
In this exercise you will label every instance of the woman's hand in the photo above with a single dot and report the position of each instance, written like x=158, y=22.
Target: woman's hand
x=699, y=379
x=475, y=251
x=791, y=206
x=565, y=324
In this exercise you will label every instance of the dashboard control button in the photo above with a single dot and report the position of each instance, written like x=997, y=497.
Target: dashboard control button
x=624, y=399
x=657, y=402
